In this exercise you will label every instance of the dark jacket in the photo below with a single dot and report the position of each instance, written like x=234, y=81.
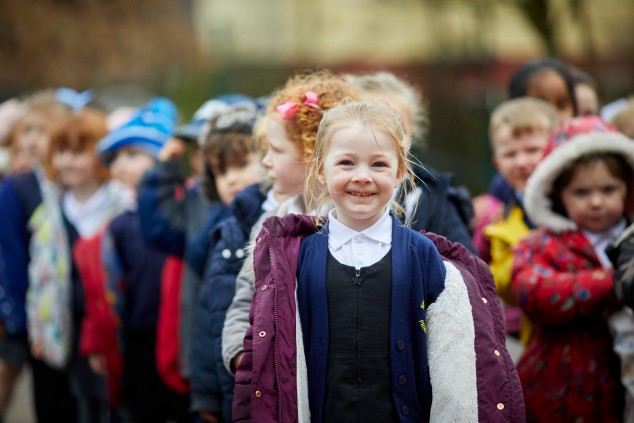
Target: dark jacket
x=211, y=383
x=461, y=318
x=140, y=268
x=442, y=208
x=177, y=220
x=19, y=197
x=621, y=253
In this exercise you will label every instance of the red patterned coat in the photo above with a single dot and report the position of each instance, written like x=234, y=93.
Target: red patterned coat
x=569, y=370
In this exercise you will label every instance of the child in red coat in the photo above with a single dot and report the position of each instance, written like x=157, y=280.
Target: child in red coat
x=562, y=277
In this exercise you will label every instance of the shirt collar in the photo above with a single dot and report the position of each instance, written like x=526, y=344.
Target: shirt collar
x=605, y=237
x=93, y=205
x=339, y=234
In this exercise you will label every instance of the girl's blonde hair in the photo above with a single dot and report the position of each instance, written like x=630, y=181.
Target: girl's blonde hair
x=376, y=117
x=301, y=128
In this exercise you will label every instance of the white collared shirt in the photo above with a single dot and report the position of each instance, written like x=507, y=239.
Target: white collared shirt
x=359, y=249
x=271, y=202
x=600, y=241
x=295, y=205
x=87, y=217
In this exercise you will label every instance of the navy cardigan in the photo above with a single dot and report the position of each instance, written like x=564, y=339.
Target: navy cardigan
x=414, y=259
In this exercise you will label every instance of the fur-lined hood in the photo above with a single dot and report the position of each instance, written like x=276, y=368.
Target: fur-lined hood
x=536, y=202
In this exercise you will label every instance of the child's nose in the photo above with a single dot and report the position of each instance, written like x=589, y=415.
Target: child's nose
x=596, y=199
x=521, y=160
x=266, y=160
x=361, y=174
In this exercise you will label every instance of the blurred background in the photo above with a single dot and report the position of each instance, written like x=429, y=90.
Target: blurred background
x=460, y=53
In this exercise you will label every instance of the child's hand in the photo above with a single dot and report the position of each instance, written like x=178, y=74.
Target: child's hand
x=485, y=207
x=36, y=350
x=97, y=363
x=236, y=360
x=173, y=149
x=208, y=417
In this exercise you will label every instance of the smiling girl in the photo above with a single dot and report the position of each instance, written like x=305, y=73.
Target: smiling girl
x=358, y=318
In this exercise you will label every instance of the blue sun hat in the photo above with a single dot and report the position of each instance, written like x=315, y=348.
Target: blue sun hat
x=191, y=131
x=148, y=130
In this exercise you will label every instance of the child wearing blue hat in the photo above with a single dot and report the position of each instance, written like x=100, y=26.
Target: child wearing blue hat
x=177, y=217
x=121, y=340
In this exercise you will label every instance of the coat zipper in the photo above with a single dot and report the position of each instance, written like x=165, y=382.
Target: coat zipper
x=276, y=328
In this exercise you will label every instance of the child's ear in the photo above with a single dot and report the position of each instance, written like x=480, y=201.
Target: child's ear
x=320, y=176
x=399, y=177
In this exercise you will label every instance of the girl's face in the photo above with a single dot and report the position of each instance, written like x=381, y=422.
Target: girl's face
x=594, y=199
x=76, y=169
x=235, y=179
x=31, y=142
x=587, y=100
x=551, y=87
x=284, y=163
x=360, y=171
x=26, y=154
x=129, y=165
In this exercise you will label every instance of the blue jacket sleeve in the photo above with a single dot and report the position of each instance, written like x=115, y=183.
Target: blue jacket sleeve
x=456, y=228
x=211, y=383
x=14, y=258
x=161, y=198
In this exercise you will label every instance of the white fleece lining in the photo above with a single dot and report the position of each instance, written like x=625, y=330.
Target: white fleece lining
x=303, y=409
x=451, y=353
x=539, y=185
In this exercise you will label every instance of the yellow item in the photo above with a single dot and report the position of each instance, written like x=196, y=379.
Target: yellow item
x=504, y=236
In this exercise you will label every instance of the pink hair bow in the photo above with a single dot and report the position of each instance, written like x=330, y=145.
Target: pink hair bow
x=287, y=110
x=311, y=99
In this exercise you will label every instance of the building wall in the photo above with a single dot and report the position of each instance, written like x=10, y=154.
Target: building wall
x=400, y=31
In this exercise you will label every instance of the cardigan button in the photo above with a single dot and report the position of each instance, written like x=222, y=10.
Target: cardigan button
x=405, y=410
x=496, y=352
x=264, y=287
x=262, y=334
x=258, y=394
x=484, y=300
x=402, y=380
x=239, y=253
x=400, y=345
x=500, y=406
x=226, y=253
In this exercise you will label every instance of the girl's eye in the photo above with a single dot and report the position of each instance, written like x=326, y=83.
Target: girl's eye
x=380, y=164
x=609, y=190
x=580, y=192
x=346, y=163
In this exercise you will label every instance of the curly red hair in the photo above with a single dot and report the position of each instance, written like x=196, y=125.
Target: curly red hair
x=302, y=127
